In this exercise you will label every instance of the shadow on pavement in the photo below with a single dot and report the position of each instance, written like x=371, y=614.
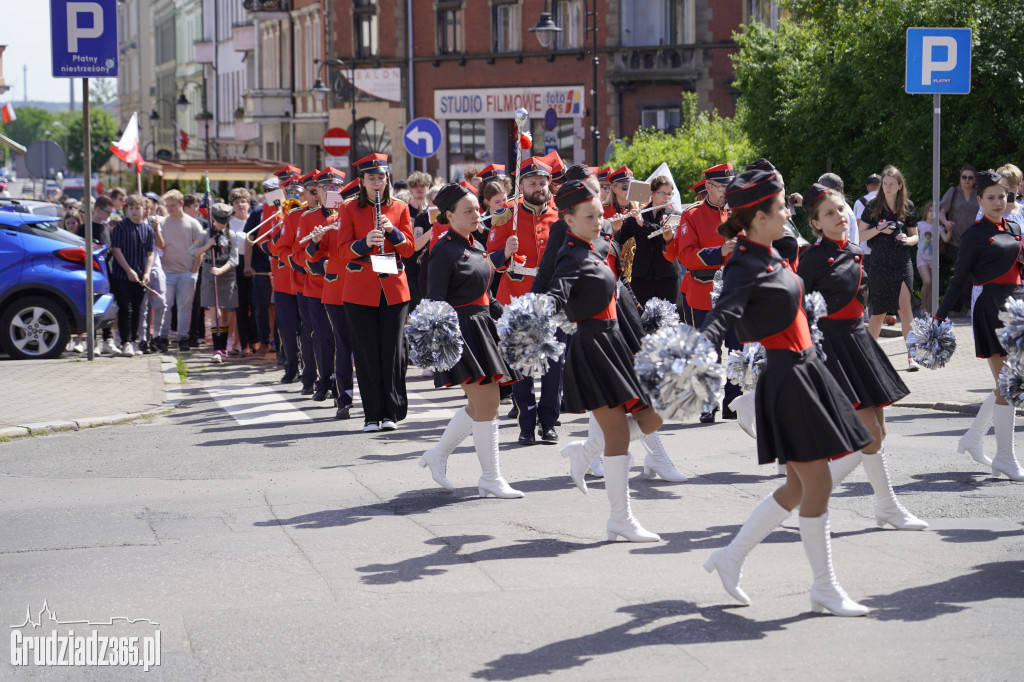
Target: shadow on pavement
x=965, y=535
x=998, y=580
x=697, y=626
x=450, y=553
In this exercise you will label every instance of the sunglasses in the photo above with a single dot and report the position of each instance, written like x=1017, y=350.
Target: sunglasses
x=664, y=194
x=606, y=187
x=624, y=185
x=966, y=177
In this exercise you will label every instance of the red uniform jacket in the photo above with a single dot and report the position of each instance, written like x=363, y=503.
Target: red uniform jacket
x=288, y=279
x=314, y=280
x=698, y=246
x=363, y=286
x=533, y=239
x=337, y=258
x=264, y=244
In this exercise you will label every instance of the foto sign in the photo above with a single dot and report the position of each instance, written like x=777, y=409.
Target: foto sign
x=83, y=38
x=938, y=61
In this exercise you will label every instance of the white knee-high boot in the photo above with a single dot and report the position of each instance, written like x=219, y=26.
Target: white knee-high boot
x=887, y=508
x=621, y=522
x=485, y=439
x=826, y=594
x=582, y=455
x=657, y=463
x=436, y=457
x=1005, y=461
x=842, y=467
x=973, y=440
x=728, y=561
x=743, y=405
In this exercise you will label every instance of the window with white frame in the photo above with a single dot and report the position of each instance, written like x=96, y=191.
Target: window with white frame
x=662, y=119
x=570, y=15
x=365, y=31
x=506, y=26
x=449, y=27
x=658, y=22
x=765, y=12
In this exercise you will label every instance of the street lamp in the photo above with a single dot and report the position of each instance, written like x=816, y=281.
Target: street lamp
x=319, y=87
x=205, y=115
x=545, y=31
x=154, y=116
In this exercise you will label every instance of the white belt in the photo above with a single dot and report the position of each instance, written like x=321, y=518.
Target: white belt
x=520, y=270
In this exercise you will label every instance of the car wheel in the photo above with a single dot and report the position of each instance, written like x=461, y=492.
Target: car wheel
x=34, y=328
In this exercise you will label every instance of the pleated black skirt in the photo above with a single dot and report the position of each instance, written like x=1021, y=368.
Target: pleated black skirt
x=986, y=317
x=802, y=413
x=628, y=312
x=859, y=365
x=599, y=370
x=481, y=363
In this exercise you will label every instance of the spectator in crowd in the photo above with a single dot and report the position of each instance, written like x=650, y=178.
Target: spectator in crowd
x=153, y=302
x=244, y=323
x=180, y=269
x=132, y=245
x=73, y=222
x=958, y=210
x=926, y=253
x=419, y=184
x=257, y=272
x=4, y=194
x=197, y=327
x=118, y=195
x=470, y=175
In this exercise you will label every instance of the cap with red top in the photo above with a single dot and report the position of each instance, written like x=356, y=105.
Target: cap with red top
x=293, y=182
x=555, y=161
x=534, y=166
x=493, y=173
x=719, y=173
x=350, y=190
x=700, y=187
x=287, y=172
x=330, y=176
x=374, y=163
x=620, y=175
x=603, y=174
x=309, y=178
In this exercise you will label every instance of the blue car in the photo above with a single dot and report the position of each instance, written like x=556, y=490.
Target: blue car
x=42, y=286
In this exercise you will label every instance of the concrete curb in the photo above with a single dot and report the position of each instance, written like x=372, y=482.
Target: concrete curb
x=173, y=395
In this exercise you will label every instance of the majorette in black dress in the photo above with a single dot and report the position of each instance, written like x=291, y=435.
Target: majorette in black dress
x=802, y=413
x=990, y=256
x=598, y=363
x=836, y=270
x=460, y=274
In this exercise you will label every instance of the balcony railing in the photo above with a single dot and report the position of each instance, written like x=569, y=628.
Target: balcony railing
x=663, y=62
x=267, y=5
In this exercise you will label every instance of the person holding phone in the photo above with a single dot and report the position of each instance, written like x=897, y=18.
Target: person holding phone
x=889, y=224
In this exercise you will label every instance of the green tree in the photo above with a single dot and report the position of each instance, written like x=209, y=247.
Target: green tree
x=102, y=91
x=30, y=125
x=705, y=139
x=826, y=90
x=103, y=131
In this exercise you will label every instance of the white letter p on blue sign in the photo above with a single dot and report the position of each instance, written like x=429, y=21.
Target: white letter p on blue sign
x=77, y=31
x=929, y=64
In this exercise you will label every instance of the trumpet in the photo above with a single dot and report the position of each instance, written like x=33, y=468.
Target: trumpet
x=283, y=207
x=333, y=225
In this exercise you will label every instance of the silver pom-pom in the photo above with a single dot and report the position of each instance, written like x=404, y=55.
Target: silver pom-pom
x=716, y=286
x=814, y=304
x=743, y=367
x=931, y=342
x=679, y=369
x=1011, y=380
x=526, y=332
x=434, y=336
x=563, y=323
x=1011, y=336
x=658, y=314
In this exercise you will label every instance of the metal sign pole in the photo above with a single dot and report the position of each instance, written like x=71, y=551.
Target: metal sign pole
x=936, y=228
x=90, y=322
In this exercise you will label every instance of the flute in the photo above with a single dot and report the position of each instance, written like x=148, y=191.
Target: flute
x=333, y=225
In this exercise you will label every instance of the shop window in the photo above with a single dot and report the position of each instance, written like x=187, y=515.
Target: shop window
x=467, y=141
x=372, y=137
x=570, y=16
x=364, y=14
x=662, y=119
x=658, y=22
x=506, y=26
x=449, y=27
x=563, y=137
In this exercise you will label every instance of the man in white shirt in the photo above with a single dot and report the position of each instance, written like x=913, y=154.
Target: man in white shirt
x=179, y=231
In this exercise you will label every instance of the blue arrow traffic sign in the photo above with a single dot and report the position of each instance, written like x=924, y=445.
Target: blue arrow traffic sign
x=83, y=37
x=422, y=137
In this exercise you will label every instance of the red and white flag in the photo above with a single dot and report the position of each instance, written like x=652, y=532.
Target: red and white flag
x=8, y=113
x=183, y=137
x=127, y=149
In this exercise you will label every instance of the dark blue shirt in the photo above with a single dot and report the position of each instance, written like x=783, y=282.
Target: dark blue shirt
x=135, y=242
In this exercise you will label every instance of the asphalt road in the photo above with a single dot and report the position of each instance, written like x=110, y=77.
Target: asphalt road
x=270, y=542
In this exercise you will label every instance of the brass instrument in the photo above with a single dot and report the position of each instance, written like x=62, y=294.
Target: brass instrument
x=627, y=256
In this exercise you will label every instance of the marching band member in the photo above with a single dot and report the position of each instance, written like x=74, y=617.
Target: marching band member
x=376, y=303
x=834, y=267
x=328, y=245
x=535, y=217
x=990, y=255
x=700, y=249
x=262, y=242
x=286, y=287
x=617, y=203
x=803, y=416
x=313, y=217
x=599, y=374
x=652, y=274
x=460, y=274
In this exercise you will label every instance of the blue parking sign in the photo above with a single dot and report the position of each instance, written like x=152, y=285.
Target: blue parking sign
x=83, y=38
x=938, y=61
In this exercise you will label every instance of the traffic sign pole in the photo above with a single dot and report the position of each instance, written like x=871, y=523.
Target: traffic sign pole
x=936, y=240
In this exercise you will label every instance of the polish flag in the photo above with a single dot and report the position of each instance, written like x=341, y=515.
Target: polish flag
x=127, y=149
x=8, y=113
x=183, y=137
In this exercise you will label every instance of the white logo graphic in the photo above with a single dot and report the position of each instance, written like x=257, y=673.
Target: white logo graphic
x=928, y=65
x=69, y=649
x=76, y=31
